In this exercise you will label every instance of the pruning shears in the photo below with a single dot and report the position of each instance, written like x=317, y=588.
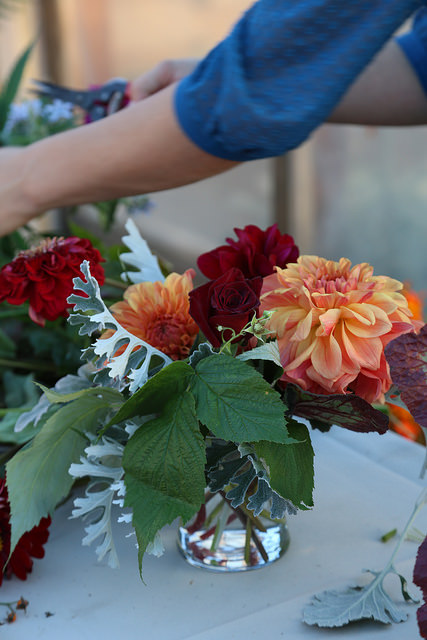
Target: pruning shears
x=97, y=102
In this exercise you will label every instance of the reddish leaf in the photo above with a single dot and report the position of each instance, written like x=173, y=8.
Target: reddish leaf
x=345, y=410
x=420, y=579
x=407, y=358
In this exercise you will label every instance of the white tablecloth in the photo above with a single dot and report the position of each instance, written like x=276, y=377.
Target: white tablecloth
x=365, y=486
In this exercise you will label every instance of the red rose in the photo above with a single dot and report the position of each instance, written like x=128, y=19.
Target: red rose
x=44, y=276
x=29, y=546
x=255, y=253
x=229, y=301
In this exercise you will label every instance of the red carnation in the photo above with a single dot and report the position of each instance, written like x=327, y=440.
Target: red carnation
x=44, y=276
x=230, y=301
x=255, y=253
x=29, y=545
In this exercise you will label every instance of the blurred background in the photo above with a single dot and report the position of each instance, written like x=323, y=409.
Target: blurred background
x=350, y=191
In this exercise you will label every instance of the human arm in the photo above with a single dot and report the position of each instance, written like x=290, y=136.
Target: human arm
x=259, y=93
x=392, y=90
x=387, y=93
x=138, y=150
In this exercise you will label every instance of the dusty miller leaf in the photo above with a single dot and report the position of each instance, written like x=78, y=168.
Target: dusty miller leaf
x=103, y=464
x=337, y=608
x=268, y=351
x=139, y=257
x=96, y=317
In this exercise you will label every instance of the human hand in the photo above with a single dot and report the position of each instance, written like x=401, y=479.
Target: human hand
x=161, y=76
x=15, y=207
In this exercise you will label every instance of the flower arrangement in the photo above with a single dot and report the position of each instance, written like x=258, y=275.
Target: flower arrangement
x=186, y=389
x=191, y=388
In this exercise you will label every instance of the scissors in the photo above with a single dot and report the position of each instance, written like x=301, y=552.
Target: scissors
x=98, y=102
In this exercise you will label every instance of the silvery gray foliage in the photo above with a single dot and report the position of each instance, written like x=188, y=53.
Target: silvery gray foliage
x=67, y=384
x=268, y=351
x=140, y=257
x=103, y=464
x=235, y=472
x=337, y=608
x=203, y=351
x=95, y=317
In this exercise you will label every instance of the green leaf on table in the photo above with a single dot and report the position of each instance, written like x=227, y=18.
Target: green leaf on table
x=236, y=403
x=11, y=86
x=164, y=465
x=345, y=410
x=290, y=466
x=37, y=476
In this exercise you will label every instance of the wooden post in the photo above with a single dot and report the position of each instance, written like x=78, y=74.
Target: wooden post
x=50, y=39
x=282, y=192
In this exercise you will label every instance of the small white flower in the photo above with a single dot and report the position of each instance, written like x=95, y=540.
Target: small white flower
x=58, y=110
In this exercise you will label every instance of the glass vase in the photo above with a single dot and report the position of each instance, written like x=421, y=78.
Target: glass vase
x=223, y=538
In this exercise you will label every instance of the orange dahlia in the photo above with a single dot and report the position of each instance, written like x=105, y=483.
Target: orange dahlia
x=332, y=322
x=158, y=313
x=415, y=301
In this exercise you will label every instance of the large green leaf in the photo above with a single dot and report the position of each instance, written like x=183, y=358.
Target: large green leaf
x=151, y=397
x=9, y=90
x=164, y=465
x=236, y=403
x=37, y=476
x=291, y=466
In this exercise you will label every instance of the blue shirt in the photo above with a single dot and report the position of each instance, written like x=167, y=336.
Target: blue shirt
x=284, y=67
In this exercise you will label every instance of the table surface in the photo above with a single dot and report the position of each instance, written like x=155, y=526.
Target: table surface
x=366, y=485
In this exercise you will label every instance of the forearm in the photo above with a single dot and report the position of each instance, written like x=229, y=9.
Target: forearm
x=138, y=150
x=386, y=93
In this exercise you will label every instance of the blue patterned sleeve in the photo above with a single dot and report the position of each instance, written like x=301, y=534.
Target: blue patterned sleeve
x=282, y=69
x=414, y=45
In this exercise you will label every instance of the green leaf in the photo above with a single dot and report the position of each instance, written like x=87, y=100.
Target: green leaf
x=7, y=429
x=7, y=346
x=37, y=476
x=150, y=399
x=164, y=465
x=55, y=397
x=291, y=466
x=20, y=390
x=236, y=403
x=11, y=86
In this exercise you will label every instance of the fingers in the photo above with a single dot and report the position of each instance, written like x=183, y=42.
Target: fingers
x=161, y=76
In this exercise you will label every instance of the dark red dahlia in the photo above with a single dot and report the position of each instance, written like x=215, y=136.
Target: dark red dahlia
x=255, y=253
x=44, y=276
x=29, y=546
x=230, y=301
